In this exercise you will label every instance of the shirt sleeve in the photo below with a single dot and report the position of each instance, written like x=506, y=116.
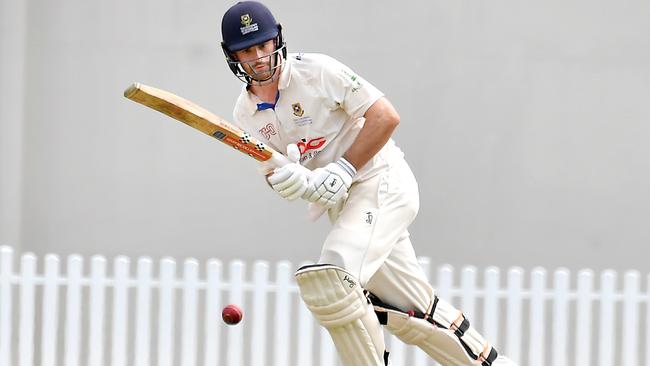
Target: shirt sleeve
x=347, y=89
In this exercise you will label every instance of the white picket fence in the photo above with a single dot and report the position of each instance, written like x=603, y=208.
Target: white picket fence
x=87, y=317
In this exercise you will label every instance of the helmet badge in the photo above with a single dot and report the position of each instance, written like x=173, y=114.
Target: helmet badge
x=246, y=20
x=248, y=25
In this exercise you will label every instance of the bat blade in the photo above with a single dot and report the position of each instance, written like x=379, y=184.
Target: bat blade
x=201, y=119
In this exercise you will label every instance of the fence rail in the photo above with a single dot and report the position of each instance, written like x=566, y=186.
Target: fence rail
x=142, y=314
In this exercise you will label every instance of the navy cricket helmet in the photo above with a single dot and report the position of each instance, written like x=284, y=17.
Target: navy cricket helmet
x=246, y=24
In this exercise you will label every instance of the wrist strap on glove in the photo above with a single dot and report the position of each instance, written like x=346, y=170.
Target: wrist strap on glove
x=347, y=166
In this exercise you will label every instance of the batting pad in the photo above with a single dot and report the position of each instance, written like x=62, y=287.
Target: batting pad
x=338, y=302
x=445, y=334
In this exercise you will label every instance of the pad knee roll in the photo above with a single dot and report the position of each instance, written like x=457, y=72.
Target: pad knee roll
x=338, y=302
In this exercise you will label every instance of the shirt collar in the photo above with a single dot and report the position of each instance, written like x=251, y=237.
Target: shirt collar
x=262, y=106
x=250, y=101
x=285, y=76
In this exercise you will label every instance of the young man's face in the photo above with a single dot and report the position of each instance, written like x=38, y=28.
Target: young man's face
x=257, y=60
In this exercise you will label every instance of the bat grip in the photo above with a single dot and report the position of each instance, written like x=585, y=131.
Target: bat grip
x=314, y=211
x=278, y=160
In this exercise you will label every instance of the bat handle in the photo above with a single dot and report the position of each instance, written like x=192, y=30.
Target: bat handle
x=314, y=211
x=278, y=160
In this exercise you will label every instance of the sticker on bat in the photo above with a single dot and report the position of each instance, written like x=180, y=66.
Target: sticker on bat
x=219, y=135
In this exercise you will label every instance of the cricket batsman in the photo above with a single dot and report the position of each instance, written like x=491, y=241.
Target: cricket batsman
x=336, y=128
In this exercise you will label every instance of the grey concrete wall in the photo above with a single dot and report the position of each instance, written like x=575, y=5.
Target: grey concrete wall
x=525, y=122
x=12, y=96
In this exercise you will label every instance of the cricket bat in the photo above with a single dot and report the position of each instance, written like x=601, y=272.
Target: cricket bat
x=201, y=119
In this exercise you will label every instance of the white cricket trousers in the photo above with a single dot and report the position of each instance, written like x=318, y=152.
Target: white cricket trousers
x=369, y=238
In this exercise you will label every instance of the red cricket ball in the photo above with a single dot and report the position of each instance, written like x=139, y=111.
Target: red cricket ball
x=232, y=314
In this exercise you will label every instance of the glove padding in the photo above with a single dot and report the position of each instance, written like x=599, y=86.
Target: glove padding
x=291, y=181
x=331, y=183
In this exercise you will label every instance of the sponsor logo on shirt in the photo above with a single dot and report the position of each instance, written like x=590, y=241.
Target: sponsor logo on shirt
x=305, y=145
x=355, y=80
x=248, y=25
x=267, y=131
x=309, y=148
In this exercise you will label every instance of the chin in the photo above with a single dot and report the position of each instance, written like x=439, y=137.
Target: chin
x=263, y=77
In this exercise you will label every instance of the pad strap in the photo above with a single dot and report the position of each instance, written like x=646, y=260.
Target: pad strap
x=444, y=317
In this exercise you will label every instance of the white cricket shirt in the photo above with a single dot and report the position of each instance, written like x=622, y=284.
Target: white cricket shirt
x=319, y=107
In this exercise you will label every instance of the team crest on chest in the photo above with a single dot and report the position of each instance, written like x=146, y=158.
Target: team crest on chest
x=297, y=110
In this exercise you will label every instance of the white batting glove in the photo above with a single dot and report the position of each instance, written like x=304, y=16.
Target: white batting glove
x=330, y=184
x=291, y=181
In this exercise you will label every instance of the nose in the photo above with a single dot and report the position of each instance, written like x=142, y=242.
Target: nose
x=259, y=53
